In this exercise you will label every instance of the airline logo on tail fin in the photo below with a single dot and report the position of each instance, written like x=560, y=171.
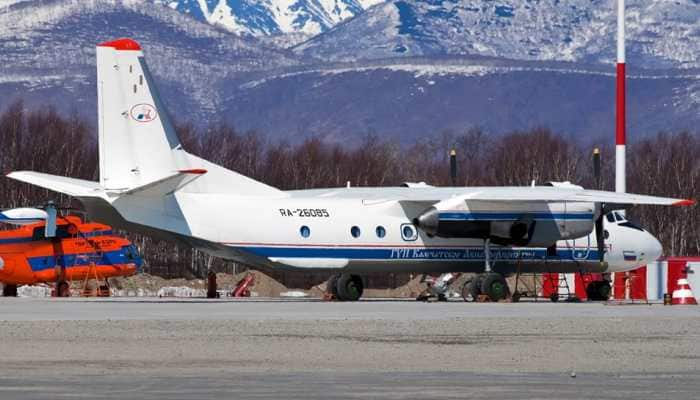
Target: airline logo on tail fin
x=144, y=113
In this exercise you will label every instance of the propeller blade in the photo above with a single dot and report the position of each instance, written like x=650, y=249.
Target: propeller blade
x=600, y=236
x=50, y=227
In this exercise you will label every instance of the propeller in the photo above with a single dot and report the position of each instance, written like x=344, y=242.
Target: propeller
x=600, y=236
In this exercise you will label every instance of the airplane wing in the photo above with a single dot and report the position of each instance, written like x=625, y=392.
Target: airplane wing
x=527, y=194
x=446, y=198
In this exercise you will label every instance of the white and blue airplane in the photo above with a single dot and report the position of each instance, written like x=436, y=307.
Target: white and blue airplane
x=150, y=184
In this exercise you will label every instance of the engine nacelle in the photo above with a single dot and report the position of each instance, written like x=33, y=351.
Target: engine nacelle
x=521, y=228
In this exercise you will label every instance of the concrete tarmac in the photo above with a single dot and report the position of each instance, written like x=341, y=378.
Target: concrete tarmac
x=259, y=349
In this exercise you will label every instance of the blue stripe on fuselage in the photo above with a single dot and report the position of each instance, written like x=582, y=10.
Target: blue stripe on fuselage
x=418, y=253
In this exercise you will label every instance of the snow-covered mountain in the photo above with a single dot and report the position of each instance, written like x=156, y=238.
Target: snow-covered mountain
x=271, y=17
x=661, y=33
x=48, y=52
x=355, y=78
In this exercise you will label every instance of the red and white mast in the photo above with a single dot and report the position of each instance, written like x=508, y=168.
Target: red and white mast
x=620, y=130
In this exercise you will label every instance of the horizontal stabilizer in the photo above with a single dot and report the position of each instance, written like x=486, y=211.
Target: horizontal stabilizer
x=60, y=184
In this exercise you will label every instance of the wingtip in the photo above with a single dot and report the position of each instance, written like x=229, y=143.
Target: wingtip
x=685, y=203
x=122, y=44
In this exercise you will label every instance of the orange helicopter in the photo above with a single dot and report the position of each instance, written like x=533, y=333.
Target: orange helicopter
x=49, y=248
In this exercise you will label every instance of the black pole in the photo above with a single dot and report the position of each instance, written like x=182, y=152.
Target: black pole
x=596, y=168
x=453, y=167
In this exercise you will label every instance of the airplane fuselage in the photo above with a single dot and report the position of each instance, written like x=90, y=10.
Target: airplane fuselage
x=341, y=229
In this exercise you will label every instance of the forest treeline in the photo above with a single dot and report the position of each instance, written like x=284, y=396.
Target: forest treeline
x=666, y=164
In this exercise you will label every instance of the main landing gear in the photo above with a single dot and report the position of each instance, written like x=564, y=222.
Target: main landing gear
x=488, y=285
x=345, y=287
x=598, y=290
x=9, y=290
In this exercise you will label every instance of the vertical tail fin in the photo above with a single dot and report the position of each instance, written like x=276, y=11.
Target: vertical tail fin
x=136, y=135
x=137, y=142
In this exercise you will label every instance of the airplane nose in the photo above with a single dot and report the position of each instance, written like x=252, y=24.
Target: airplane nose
x=653, y=248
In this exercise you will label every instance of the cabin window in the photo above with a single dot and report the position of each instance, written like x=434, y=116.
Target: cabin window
x=381, y=232
x=141, y=80
x=355, y=231
x=134, y=88
x=304, y=231
x=131, y=68
x=408, y=232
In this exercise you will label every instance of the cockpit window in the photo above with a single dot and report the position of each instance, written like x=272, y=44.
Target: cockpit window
x=629, y=224
x=619, y=217
x=610, y=217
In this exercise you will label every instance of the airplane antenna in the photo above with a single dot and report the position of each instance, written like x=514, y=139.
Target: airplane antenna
x=620, y=131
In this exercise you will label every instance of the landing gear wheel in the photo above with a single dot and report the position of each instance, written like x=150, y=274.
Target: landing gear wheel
x=9, y=291
x=63, y=289
x=477, y=282
x=332, y=285
x=598, y=291
x=350, y=287
x=554, y=297
x=494, y=285
x=472, y=289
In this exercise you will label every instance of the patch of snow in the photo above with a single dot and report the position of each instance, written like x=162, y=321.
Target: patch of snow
x=40, y=290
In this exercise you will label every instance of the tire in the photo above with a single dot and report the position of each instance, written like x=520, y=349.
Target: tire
x=63, y=289
x=471, y=289
x=476, y=286
x=598, y=291
x=332, y=285
x=9, y=291
x=495, y=286
x=350, y=287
